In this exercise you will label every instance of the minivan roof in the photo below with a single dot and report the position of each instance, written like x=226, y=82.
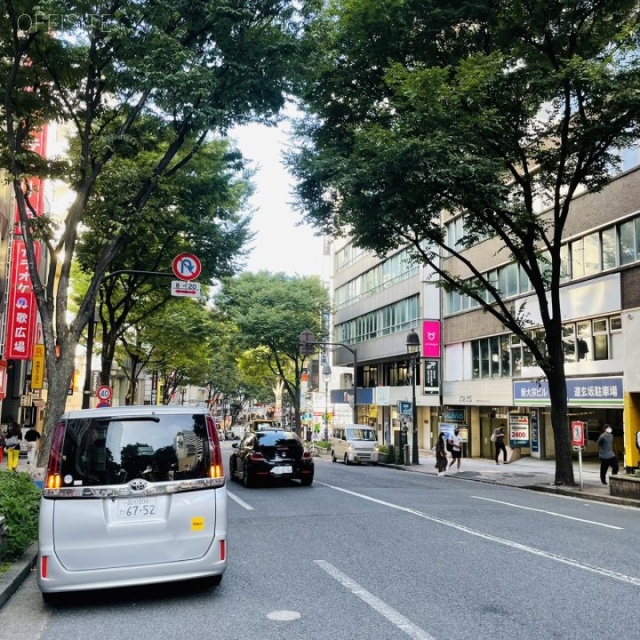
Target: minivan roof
x=133, y=410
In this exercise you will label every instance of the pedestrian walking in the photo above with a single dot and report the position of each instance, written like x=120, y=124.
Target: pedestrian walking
x=456, y=448
x=13, y=446
x=441, y=455
x=497, y=437
x=607, y=453
x=32, y=438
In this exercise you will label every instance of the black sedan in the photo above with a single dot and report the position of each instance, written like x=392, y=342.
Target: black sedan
x=272, y=454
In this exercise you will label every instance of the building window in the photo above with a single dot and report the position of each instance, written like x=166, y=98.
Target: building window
x=577, y=259
x=608, y=244
x=591, y=254
x=475, y=359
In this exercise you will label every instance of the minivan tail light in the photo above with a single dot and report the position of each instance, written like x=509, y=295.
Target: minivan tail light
x=53, y=479
x=44, y=569
x=216, y=470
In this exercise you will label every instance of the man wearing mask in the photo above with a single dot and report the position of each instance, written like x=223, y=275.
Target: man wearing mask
x=456, y=448
x=607, y=454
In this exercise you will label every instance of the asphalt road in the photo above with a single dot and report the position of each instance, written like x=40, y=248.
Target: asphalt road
x=374, y=553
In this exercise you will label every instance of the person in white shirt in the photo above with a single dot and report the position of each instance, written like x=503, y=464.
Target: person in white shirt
x=456, y=448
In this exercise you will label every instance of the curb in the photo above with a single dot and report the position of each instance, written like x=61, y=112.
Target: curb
x=17, y=574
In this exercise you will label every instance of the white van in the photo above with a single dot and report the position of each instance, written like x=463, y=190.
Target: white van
x=353, y=443
x=133, y=496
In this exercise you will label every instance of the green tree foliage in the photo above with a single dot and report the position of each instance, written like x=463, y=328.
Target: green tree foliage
x=174, y=70
x=270, y=311
x=177, y=342
x=473, y=109
x=197, y=210
x=19, y=504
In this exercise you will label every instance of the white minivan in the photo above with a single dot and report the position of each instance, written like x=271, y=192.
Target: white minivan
x=132, y=496
x=353, y=443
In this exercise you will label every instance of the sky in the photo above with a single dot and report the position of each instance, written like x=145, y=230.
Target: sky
x=279, y=244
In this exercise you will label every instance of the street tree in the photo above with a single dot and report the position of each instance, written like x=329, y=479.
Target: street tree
x=500, y=113
x=176, y=342
x=270, y=311
x=198, y=210
x=196, y=68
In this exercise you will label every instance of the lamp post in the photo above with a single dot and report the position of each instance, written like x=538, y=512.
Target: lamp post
x=326, y=376
x=413, y=349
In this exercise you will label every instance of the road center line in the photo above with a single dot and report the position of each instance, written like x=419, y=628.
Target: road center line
x=549, y=513
x=507, y=543
x=242, y=503
x=375, y=603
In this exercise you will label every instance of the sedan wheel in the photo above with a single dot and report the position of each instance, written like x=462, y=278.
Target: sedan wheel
x=247, y=481
x=333, y=456
x=346, y=458
x=233, y=468
x=307, y=480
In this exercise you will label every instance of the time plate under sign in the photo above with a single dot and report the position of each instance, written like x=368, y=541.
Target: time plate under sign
x=185, y=289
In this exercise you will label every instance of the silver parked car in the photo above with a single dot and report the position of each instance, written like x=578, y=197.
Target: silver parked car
x=133, y=495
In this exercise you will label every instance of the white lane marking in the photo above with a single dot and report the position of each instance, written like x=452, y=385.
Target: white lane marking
x=242, y=503
x=375, y=603
x=284, y=616
x=550, y=513
x=507, y=543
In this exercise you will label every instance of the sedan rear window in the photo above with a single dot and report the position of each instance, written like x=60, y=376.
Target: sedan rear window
x=275, y=438
x=157, y=448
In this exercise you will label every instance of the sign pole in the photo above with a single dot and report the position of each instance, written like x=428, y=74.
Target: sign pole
x=580, y=467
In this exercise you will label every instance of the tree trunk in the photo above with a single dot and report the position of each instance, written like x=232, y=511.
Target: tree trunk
x=557, y=382
x=59, y=373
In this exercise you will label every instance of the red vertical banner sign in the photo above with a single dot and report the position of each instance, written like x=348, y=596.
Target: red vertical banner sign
x=21, y=308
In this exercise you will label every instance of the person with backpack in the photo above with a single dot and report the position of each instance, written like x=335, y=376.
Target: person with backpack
x=13, y=446
x=497, y=437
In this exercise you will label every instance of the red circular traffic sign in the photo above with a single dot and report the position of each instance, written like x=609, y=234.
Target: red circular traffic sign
x=186, y=266
x=103, y=404
x=104, y=393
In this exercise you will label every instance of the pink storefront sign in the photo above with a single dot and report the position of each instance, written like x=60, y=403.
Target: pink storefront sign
x=431, y=339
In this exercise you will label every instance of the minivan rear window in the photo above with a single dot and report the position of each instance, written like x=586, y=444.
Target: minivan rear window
x=116, y=450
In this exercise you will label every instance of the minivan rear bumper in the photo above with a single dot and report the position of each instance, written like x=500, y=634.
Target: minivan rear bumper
x=58, y=579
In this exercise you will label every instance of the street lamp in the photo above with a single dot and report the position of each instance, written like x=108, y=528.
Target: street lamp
x=326, y=376
x=413, y=349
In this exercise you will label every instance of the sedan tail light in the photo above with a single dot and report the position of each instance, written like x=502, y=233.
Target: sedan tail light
x=256, y=456
x=307, y=455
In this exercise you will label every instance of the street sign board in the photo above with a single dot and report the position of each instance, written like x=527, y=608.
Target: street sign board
x=104, y=393
x=186, y=266
x=184, y=289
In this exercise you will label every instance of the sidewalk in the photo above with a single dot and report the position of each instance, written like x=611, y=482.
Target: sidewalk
x=526, y=473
